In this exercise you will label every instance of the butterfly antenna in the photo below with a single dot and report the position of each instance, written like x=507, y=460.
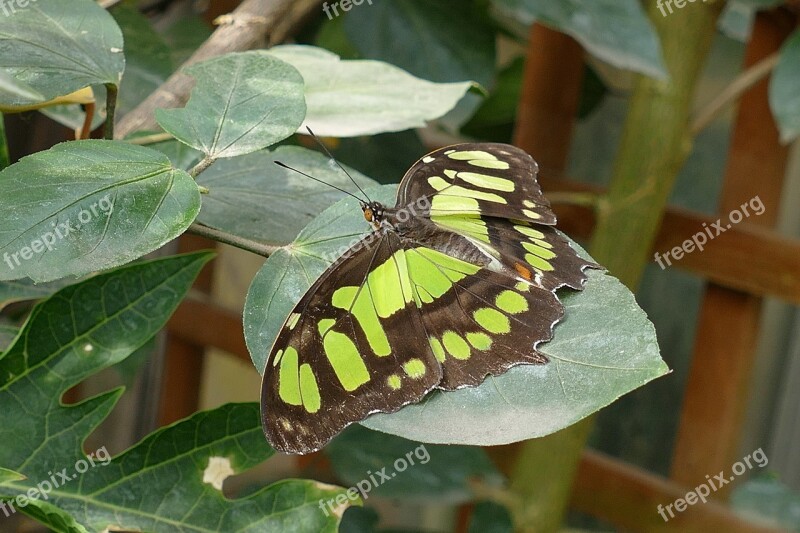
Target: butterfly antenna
x=318, y=180
x=325, y=148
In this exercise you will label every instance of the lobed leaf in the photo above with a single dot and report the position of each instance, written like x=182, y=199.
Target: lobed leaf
x=172, y=480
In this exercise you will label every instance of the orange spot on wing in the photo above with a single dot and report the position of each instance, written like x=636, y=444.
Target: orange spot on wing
x=524, y=272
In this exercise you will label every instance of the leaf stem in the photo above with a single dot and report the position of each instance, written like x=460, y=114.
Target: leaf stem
x=264, y=250
x=5, y=157
x=111, y=109
x=151, y=139
x=744, y=82
x=200, y=167
x=586, y=199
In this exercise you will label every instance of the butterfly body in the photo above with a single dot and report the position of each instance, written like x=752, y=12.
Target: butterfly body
x=455, y=282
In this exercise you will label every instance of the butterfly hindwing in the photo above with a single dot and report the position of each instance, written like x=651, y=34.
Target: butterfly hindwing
x=346, y=350
x=485, y=179
x=479, y=321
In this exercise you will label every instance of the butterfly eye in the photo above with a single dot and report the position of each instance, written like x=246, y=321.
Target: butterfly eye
x=368, y=215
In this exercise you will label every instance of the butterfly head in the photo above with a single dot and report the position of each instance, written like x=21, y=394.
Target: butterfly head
x=373, y=213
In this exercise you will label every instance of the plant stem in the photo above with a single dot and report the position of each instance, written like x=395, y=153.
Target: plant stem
x=112, y=92
x=5, y=157
x=734, y=91
x=264, y=250
x=151, y=139
x=654, y=146
x=200, y=167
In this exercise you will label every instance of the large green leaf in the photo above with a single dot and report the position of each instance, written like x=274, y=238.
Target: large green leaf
x=169, y=482
x=784, y=94
x=99, y=204
x=417, y=472
x=242, y=102
x=252, y=197
x=58, y=47
x=352, y=98
x=616, y=31
x=604, y=348
x=457, y=46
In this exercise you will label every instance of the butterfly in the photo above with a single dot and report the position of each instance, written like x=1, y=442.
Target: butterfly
x=454, y=283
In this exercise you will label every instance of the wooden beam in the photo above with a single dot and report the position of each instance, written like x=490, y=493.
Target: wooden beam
x=748, y=257
x=629, y=498
x=724, y=351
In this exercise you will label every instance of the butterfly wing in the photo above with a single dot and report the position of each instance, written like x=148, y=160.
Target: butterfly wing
x=348, y=349
x=486, y=205
x=479, y=321
x=486, y=179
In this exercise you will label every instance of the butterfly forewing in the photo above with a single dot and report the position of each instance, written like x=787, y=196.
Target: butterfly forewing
x=484, y=179
x=346, y=350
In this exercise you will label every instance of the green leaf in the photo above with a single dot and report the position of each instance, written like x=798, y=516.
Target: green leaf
x=147, y=56
x=58, y=47
x=83, y=329
x=457, y=46
x=784, y=96
x=616, y=31
x=604, y=348
x=419, y=472
x=11, y=89
x=352, y=98
x=252, y=197
x=242, y=102
x=100, y=204
x=488, y=517
x=25, y=289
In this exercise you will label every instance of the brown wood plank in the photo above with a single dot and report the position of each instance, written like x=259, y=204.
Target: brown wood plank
x=551, y=97
x=628, y=498
x=724, y=350
x=748, y=257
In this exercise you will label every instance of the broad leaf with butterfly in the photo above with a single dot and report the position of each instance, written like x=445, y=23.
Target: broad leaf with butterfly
x=454, y=283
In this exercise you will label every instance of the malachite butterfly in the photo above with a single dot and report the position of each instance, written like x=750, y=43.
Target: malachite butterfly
x=454, y=283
